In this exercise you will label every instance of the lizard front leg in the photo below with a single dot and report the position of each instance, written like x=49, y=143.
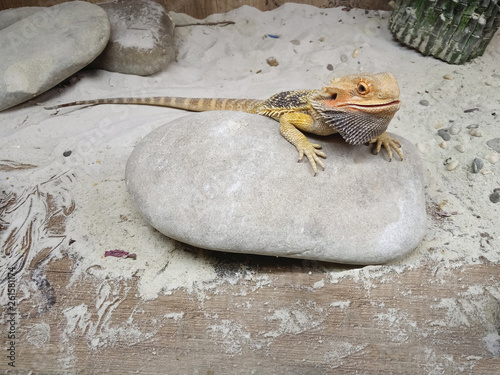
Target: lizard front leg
x=388, y=142
x=289, y=123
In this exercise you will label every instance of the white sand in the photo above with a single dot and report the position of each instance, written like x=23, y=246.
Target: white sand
x=231, y=62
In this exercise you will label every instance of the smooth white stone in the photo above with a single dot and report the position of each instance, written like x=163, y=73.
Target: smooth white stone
x=229, y=181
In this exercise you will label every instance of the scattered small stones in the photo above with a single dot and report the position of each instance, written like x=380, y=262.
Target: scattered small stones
x=473, y=126
x=492, y=157
x=477, y=165
x=494, y=144
x=66, y=153
x=422, y=147
x=443, y=144
x=443, y=133
x=452, y=165
x=460, y=148
x=329, y=67
x=448, y=76
x=455, y=129
x=355, y=53
x=495, y=196
x=471, y=110
x=476, y=133
x=272, y=61
x=424, y=102
x=344, y=58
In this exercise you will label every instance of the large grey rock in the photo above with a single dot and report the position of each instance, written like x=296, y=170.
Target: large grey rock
x=228, y=181
x=47, y=47
x=11, y=16
x=142, y=38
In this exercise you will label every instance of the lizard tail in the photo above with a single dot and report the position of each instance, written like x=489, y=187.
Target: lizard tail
x=190, y=104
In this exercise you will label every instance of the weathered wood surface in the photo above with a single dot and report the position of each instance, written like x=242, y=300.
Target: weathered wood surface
x=427, y=320
x=202, y=9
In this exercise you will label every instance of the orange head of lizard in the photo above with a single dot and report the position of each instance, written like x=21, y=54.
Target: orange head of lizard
x=358, y=106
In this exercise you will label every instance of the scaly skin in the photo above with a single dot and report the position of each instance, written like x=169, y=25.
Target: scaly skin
x=359, y=107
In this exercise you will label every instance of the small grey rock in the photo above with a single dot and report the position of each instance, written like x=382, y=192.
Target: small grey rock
x=295, y=42
x=344, y=58
x=228, y=181
x=495, y=197
x=455, y=129
x=424, y=102
x=443, y=133
x=494, y=144
x=47, y=47
x=329, y=67
x=477, y=165
x=142, y=38
x=473, y=126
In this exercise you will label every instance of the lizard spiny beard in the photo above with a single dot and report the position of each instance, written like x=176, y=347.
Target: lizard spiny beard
x=356, y=128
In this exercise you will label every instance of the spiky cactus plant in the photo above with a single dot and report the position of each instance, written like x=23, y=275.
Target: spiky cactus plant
x=451, y=30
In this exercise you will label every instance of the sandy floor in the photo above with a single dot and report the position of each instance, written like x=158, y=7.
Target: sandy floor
x=312, y=46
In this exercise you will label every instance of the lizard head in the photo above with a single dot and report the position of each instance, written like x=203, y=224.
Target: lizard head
x=358, y=106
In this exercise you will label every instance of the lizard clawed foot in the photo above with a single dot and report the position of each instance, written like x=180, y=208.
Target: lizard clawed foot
x=312, y=151
x=388, y=142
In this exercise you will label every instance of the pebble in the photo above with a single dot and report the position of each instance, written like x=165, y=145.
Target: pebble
x=477, y=165
x=67, y=153
x=344, y=58
x=473, y=126
x=494, y=144
x=272, y=61
x=424, y=102
x=495, y=196
x=422, y=147
x=295, y=42
x=452, y=165
x=47, y=47
x=329, y=67
x=443, y=133
x=219, y=197
x=476, y=133
x=355, y=53
x=443, y=144
x=448, y=76
x=492, y=157
x=455, y=129
x=460, y=148
x=142, y=38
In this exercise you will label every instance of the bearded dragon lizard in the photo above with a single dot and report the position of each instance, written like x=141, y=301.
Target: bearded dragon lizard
x=359, y=107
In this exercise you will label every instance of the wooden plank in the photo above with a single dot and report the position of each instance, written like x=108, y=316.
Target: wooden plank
x=202, y=9
x=385, y=321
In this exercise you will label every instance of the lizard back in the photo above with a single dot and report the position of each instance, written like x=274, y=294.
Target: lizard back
x=285, y=102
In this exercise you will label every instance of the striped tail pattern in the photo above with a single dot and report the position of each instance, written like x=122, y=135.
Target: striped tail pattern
x=190, y=104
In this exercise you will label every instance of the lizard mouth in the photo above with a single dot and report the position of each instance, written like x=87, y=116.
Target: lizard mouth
x=391, y=106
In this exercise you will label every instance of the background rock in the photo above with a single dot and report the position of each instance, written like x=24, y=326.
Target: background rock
x=229, y=181
x=141, y=39
x=11, y=16
x=47, y=47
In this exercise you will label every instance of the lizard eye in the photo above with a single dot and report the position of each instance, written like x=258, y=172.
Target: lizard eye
x=334, y=96
x=363, y=88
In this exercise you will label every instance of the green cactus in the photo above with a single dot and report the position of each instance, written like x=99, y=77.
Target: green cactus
x=455, y=31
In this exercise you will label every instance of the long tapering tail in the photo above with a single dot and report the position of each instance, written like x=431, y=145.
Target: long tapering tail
x=190, y=104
